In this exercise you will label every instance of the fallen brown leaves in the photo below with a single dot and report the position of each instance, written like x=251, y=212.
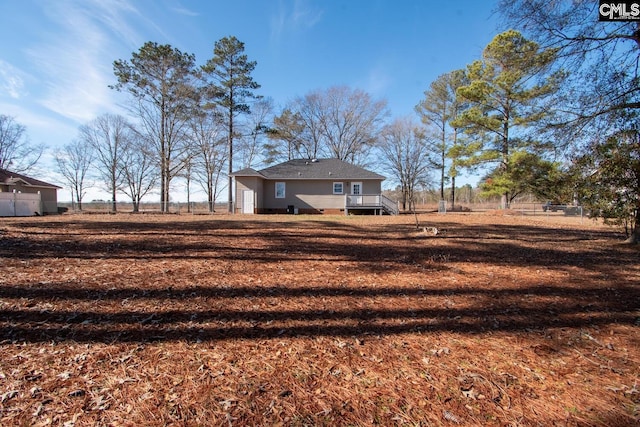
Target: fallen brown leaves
x=281, y=320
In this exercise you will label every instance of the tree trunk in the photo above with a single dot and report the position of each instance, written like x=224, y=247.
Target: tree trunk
x=230, y=162
x=633, y=239
x=188, y=196
x=163, y=182
x=163, y=161
x=113, y=196
x=634, y=235
x=454, y=171
x=505, y=157
x=210, y=196
x=442, y=175
x=404, y=197
x=165, y=196
x=453, y=193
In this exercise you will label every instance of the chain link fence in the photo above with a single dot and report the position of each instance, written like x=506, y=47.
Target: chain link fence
x=204, y=208
x=105, y=207
x=523, y=208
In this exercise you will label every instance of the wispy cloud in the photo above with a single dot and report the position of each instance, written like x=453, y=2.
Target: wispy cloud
x=378, y=81
x=178, y=8
x=124, y=20
x=288, y=19
x=114, y=16
x=41, y=128
x=278, y=22
x=11, y=80
x=304, y=15
x=75, y=55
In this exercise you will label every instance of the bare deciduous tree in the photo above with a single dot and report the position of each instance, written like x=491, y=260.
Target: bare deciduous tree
x=140, y=172
x=406, y=157
x=602, y=58
x=351, y=123
x=339, y=122
x=16, y=153
x=109, y=136
x=254, y=131
x=311, y=110
x=209, y=154
x=74, y=162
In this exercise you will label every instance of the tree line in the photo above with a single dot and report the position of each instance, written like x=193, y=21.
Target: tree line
x=550, y=109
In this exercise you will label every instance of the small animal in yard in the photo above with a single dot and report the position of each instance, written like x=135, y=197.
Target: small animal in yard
x=431, y=230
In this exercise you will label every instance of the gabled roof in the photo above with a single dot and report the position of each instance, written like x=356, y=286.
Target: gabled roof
x=312, y=169
x=247, y=172
x=13, y=178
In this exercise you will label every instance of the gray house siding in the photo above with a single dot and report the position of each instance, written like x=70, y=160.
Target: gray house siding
x=303, y=195
x=312, y=196
x=250, y=183
x=308, y=187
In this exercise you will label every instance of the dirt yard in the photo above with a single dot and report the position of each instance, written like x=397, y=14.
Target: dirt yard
x=125, y=320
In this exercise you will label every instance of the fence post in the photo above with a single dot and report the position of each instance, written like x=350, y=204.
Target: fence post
x=442, y=207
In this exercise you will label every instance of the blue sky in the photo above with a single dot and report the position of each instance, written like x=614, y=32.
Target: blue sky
x=57, y=55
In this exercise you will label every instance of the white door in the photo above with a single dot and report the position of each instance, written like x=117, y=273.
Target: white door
x=356, y=190
x=247, y=202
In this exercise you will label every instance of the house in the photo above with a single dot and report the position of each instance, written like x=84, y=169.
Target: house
x=21, y=195
x=311, y=186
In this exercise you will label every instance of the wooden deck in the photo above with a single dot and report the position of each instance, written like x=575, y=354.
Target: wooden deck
x=376, y=202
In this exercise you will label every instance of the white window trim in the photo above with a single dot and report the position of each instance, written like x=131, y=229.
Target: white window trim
x=341, y=187
x=284, y=190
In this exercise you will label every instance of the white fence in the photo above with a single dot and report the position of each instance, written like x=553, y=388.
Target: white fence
x=20, y=204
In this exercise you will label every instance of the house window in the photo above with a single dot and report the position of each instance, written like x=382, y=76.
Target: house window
x=280, y=190
x=337, y=188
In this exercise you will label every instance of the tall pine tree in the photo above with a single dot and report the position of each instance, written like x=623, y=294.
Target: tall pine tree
x=440, y=106
x=505, y=91
x=231, y=88
x=160, y=80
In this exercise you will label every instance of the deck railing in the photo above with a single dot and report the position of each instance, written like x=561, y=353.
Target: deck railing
x=371, y=201
x=389, y=205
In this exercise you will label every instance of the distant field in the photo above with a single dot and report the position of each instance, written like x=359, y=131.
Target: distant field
x=127, y=320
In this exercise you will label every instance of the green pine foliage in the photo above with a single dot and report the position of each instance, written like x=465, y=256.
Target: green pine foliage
x=506, y=93
x=607, y=177
x=230, y=89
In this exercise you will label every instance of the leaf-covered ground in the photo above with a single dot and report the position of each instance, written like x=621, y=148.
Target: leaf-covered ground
x=126, y=320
